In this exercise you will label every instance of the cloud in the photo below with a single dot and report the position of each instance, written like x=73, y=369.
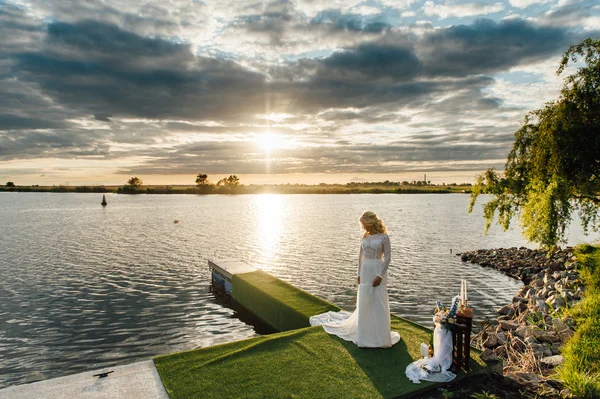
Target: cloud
x=460, y=10
x=388, y=98
x=488, y=46
x=281, y=26
x=527, y=3
x=101, y=69
x=15, y=122
x=574, y=14
x=83, y=66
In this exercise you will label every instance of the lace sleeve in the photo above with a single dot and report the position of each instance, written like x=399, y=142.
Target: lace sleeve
x=361, y=253
x=387, y=255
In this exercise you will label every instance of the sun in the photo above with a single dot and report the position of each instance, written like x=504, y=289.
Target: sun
x=269, y=142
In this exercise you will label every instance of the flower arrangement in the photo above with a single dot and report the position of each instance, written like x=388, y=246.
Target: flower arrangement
x=444, y=316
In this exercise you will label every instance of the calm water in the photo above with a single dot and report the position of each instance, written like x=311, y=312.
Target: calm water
x=82, y=287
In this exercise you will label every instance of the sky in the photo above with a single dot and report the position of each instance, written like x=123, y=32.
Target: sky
x=95, y=92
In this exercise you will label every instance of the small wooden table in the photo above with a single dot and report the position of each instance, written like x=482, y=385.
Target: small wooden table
x=461, y=339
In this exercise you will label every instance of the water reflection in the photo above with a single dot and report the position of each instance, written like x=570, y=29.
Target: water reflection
x=268, y=228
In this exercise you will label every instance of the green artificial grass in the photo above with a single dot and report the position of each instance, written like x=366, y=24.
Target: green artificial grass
x=301, y=363
x=581, y=370
x=279, y=304
x=305, y=363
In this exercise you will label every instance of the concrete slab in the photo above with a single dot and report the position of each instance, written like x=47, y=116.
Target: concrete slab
x=136, y=380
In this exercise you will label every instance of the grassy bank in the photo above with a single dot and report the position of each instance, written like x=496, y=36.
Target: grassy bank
x=351, y=188
x=581, y=370
x=304, y=363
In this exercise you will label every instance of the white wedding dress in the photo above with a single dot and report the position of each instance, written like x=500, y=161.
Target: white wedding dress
x=436, y=368
x=369, y=325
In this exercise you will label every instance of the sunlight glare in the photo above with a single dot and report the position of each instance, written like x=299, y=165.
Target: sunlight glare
x=269, y=142
x=269, y=226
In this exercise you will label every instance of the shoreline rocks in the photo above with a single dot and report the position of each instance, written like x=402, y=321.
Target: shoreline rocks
x=529, y=332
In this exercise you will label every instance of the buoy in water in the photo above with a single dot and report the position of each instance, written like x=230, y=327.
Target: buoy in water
x=104, y=203
x=176, y=221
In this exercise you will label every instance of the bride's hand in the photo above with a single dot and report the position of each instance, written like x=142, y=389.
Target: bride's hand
x=377, y=281
x=358, y=279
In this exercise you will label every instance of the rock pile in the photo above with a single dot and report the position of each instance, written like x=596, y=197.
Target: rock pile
x=522, y=263
x=530, y=331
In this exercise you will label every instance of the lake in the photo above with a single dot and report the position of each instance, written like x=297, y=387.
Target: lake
x=85, y=287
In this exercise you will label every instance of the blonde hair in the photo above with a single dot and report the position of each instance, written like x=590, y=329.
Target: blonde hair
x=372, y=224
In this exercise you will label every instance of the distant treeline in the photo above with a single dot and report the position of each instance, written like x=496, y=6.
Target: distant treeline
x=58, y=189
x=350, y=188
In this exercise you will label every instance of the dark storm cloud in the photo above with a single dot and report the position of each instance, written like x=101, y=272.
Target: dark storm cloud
x=457, y=51
x=110, y=40
x=487, y=46
x=376, y=60
x=62, y=143
x=14, y=122
x=101, y=69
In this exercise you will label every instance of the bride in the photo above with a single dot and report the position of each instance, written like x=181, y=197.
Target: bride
x=369, y=325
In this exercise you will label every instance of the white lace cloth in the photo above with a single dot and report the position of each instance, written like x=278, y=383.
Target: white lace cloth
x=437, y=368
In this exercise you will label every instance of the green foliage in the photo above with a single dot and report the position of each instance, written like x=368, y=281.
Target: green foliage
x=10, y=184
x=581, y=370
x=231, y=181
x=553, y=168
x=202, y=180
x=91, y=189
x=134, y=182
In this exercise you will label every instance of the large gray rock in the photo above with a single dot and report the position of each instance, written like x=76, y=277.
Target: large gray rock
x=530, y=379
x=565, y=335
x=549, y=337
x=523, y=331
x=541, y=306
x=488, y=355
x=538, y=349
x=554, y=266
x=558, y=324
x=500, y=351
x=552, y=361
x=508, y=325
x=517, y=344
x=537, y=283
x=556, y=348
x=505, y=310
x=501, y=337
x=491, y=341
x=558, y=302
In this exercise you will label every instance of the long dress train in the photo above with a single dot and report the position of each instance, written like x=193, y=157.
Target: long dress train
x=369, y=325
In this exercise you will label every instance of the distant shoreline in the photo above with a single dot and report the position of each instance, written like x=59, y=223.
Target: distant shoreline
x=351, y=188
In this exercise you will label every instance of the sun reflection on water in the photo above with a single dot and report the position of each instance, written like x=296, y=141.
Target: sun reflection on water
x=268, y=211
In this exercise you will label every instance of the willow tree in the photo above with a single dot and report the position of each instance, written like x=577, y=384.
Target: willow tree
x=553, y=169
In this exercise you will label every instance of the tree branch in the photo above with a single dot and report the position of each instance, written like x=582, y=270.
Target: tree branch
x=594, y=199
